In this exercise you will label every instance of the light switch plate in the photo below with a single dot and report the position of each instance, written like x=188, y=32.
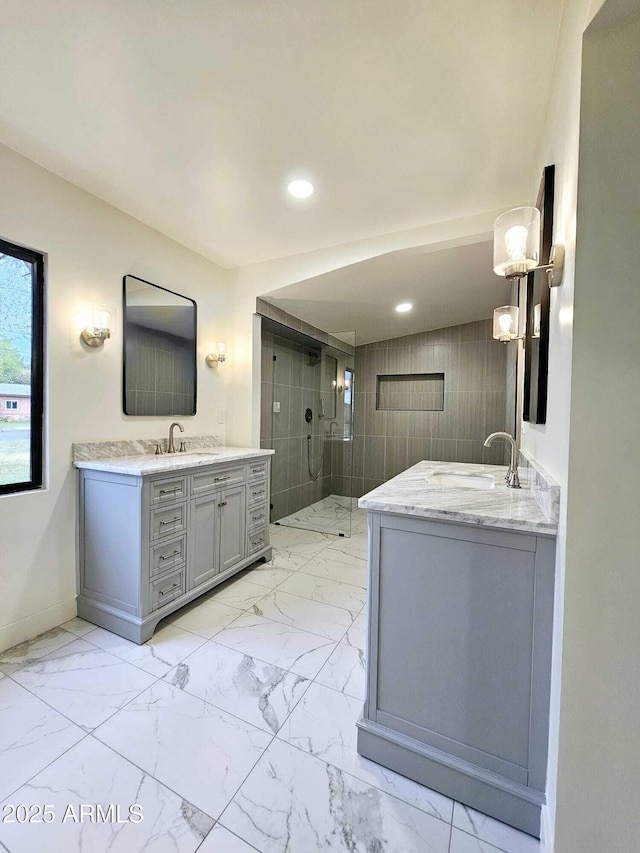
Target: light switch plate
x=221, y=416
x=276, y=407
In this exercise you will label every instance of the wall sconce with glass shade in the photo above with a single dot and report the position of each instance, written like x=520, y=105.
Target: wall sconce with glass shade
x=216, y=358
x=516, y=246
x=506, y=324
x=96, y=334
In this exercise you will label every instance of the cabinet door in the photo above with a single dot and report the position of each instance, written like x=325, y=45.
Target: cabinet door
x=455, y=640
x=232, y=527
x=204, y=552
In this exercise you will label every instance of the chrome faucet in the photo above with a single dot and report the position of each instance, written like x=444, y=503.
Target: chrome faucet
x=172, y=448
x=512, y=478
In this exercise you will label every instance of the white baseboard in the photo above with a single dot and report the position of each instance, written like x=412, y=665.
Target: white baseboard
x=36, y=623
x=546, y=831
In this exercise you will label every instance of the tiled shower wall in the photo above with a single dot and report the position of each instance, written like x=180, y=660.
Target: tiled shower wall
x=475, y=371
x=295, y=381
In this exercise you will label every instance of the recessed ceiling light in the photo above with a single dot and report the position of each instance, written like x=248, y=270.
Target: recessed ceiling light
x=404, y=306
x=300, y=188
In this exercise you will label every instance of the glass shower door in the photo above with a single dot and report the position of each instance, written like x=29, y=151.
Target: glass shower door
x=312, y=430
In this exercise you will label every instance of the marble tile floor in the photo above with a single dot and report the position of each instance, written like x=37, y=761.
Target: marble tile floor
x=233, y=728
x=334, y=514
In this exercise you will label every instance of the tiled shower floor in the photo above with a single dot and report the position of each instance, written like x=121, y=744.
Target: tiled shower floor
x=334, y=514
x=233, y=728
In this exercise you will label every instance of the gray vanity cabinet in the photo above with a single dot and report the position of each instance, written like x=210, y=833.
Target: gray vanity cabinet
x=459, y=660
x=148, y=545
x=218, y=522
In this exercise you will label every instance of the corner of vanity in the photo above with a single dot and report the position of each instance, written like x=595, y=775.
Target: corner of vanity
x=460, y=617
x=156, y=532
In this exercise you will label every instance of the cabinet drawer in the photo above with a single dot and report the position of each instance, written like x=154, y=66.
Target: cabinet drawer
x=257, y=516
x=167, y=489
x=257, y=541
x=167, y=555
x=166, y=588
x=257, y=492
x=257, y=471
x=167, y=521
x=217, y=478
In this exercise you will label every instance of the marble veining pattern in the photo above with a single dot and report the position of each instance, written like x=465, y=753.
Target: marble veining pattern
x=410, y=494
x=329, y=515
x=257, y=692
x=83, y=682
x=168, y=646
x=345, y=671
x=545, y=489
x=189, y=722
x=319, y=618
x=220, y=840
x=324, y=725
x=187, y=744
x=92, y=451
x=294, y=802
x=32, y=735
x=32, y=650
x=204, y=617
x=326, y=590
x=144, y=465
x=91, y=773
x=282, y=645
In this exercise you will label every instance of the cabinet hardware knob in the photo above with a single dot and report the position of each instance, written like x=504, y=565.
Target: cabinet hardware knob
x=170, y=520
x=169, y=556
x=222, y=503
x=171, y=588
x=169, y=491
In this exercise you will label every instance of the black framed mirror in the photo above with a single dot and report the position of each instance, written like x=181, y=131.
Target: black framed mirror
x=536, y=339
x=159, y=350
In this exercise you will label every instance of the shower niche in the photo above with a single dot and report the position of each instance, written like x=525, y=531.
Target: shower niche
x=307, y=418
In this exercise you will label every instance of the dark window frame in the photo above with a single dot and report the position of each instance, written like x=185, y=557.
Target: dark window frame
x=36, y=259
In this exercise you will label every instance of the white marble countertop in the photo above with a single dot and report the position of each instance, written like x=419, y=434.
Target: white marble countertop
x=410, y=494
x=145, y=465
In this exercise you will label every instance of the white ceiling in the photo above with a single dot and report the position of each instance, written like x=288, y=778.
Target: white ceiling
x=446, y=286
x=192, y=115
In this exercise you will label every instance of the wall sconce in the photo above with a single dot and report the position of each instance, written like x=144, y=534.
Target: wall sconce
x=97, y=334
x=505, y=324
x=216, y=358
x=516, y=246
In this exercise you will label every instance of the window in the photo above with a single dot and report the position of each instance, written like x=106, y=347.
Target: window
x=21, y=367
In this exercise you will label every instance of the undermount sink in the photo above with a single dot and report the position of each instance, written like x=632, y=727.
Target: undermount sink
x=462, y=480
x=198, y=453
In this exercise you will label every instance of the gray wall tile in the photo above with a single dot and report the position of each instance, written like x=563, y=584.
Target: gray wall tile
x=475, y=399
x=395, y=456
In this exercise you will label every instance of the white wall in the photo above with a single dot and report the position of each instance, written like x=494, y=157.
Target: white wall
x=89, y=247
x=549, y=443
x=599, y=756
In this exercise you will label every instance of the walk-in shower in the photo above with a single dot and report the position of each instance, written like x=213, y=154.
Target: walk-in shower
x=307, y=418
